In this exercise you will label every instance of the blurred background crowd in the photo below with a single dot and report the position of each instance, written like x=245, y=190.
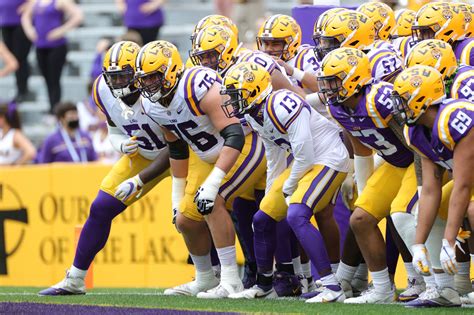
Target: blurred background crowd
x=51, y=51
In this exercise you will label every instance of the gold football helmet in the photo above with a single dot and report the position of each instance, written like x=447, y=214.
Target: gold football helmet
x=404, y=20
x=158, y=69
x=382, y=16
x=434, y=53
x=322, y=19
x=279, y=36
x=415, y=89
x=466, y=11
x=215, y=19
x=345, y=29
x=118, y=68
x=437, y=20
x=214, y=47
x=247, y=84
x=344, y=72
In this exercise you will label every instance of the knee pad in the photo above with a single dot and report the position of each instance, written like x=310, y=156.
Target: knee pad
x=405, y=225
x=433, y=243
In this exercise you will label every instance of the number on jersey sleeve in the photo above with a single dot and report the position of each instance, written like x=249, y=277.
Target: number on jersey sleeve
x=283, y=107
x=454, y=122
x=197, y=82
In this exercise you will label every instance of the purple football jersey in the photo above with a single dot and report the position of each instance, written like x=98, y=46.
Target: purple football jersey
x=453, y=122
x=463, y=84
x=464, y=51
x=369, y=123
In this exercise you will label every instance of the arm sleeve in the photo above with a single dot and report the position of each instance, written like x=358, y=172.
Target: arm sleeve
x=299, y=133
x=116, y=138
x=276, y=162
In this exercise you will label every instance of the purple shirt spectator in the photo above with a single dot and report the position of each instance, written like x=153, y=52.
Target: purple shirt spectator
x=9, y=12
x=55, y=148
x=134, y=18
x=45, y=19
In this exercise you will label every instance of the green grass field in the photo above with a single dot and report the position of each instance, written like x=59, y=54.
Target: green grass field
x=152, y=298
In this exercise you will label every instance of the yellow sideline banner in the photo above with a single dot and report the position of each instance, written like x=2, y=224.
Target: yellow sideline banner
x=40, y=206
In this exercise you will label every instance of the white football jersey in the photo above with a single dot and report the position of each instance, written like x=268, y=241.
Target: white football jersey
x=287, y=123
x=306, y=61
x=151, y=141
x=184, y=118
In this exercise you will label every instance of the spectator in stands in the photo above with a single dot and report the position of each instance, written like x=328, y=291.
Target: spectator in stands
x=10, y=64
x=15, y=148
x=144, y=16
x=17, y=42
x=102, y=145
x=68, y=143
x=46, y=23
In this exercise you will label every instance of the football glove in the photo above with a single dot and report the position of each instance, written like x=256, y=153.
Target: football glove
x=129, y=188
x=207, y=192
x=421, y=260
x=129, y=146
x=447, y=258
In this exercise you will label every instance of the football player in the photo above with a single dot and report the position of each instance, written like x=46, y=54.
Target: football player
x=222, y=164
x=216, y=47
x=457, y=80
x=382, y=16
x=142, y=144
x=440, y=130
x=445, y=21
x=364, y=109
x=287, y=123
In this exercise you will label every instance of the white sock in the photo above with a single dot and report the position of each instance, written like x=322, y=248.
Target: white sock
x=464, y=268
x=77, y=273
x=330, y=279
x=345, y=272
x=430, y=281
x=227, y=256
x=412, y=273
x=362, y=271
x=334, y=267
x=297, y=267
x=202, y=263
x=381, y=281
x=306, y=269
x=472, y=258
x=443, y=280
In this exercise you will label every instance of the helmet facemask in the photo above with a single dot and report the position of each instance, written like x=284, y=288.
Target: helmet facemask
x=420, y=33
x=121, y=81
x=237, y=102
x=154, y=86
x=330, y=88
x=323, y=45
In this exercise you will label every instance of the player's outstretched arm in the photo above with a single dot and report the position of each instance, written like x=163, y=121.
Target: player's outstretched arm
x=363, y=162
x=279, y=81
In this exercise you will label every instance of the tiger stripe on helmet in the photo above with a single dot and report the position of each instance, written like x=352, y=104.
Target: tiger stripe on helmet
x=269, y=23
x=115, y=54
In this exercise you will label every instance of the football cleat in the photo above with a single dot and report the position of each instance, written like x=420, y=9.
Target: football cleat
x=68, y=286
x=433, y=297
x=330, y=294
x=372, y=297
x=222, y=291
x=193, y=288
x=254, y=292
x=286, y=284
x=413, y=291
